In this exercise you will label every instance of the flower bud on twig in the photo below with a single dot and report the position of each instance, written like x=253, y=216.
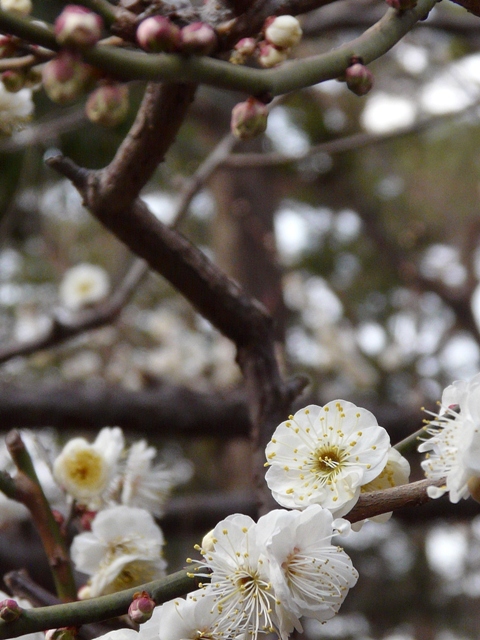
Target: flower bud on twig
x=77, y=26
x=10, y=610
x=13, y=81
x=269, y=56
x=157, y=33
x=359, y=79
x=199, y=38
x=108, y=105
x=66, y=77
x=141, y=608
x=249, y=119
x=283, y=32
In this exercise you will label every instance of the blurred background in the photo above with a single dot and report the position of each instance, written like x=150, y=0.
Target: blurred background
x=355, y=221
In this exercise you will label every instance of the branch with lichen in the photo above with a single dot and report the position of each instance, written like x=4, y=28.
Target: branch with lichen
x=126, y=64
x=25, y=488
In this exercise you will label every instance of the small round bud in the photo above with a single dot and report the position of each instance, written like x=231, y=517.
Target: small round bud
x=359, y=79
x=62, y=633
x=8, y=46
x=249, y=119
x=85, y=592
x=77, y=26
x=243, y=50
x=402, y=5
x=108, y=105
x=20, y=7
x=199, y=38
x=158, y=34
x=66, y=77
x=141, y=608
x=269, y=56
x=283, y=32
x=208, y=542
x=13, y=81
x=10, y=610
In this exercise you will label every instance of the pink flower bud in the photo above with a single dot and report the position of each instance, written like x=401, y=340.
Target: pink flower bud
x=8, y=47
x=77, y=26
x=141, y=608
x=269, y=56
x=359, y=79
x=157, y=34
x=108, y=105
x=13, y=81
x=199, y=38
x=249, y=119
x=283, y=32
x=62, y=633
x=10, y=610
x=66, y=77
x=402, y=5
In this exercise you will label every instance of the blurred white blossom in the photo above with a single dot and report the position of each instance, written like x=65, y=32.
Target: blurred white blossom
x=16, y=109
x=83, y=285
x=123, y=550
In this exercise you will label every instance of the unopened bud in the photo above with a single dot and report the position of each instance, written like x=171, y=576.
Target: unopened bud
x=8, y=46
x=269, y=56
x=77, y=26
x=243, y=50
x=85, y=592
x=10, y=610
x=86, y=520
x=199, y=38
x=208, y=542
x=249, y=119
x=62, y=633
x=65, y=77
x=20, y=7
x=283, y=32
x=359, y=79
x=402, y=5
x=13, y=81
x=157, y=33
x=108, y=105
x=141, y=608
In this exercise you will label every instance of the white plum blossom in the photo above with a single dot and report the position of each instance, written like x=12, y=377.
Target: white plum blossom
x=453, y=450
x=123, y=550
x=310, y=576
x=16, y=109
x=240, y=580
x=148, y=485
x=193, y=618
x=83, y=285
x=85, y=470
x=324, y=455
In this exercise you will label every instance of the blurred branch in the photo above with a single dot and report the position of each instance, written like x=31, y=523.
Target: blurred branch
x=298, y=74
x=65, y=326
x=75, y=614
x=29, y=492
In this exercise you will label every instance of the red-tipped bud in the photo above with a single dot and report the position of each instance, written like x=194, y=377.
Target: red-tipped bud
x=62, y=633
x=359, y=79
x=283, y=32
x=269, y=56
x=108, y=105
x=10, y=610
x=141, y=608
x=249, y=119
x=8, y=47
x=243, y=50
x=199, y=38
x=13, y=81
x=158, y=34
x=77, y=26
x=86, y=520
x=66, y=77
x=402, y=5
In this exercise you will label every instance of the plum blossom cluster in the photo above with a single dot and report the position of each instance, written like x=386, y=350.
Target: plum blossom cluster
x=453, y=448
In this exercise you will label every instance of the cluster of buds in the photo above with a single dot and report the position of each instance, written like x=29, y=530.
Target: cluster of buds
x=10, y=610
x=249, y=119
x=159, y=34
x=280, y=34
x=358, y=78
x=78, y=27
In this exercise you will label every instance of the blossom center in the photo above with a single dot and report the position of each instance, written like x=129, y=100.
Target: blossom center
x=328, y=460
x=85, y=468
